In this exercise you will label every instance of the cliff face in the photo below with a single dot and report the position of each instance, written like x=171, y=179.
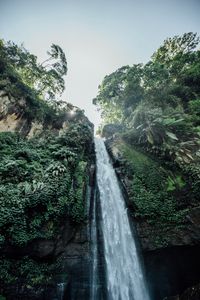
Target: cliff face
x=11, y=112
x=47, y=172
x=19, y=114
x=167, y=222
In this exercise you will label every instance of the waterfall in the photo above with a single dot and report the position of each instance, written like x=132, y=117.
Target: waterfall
x=93, y=295
x=61, y=290
x=125, y=279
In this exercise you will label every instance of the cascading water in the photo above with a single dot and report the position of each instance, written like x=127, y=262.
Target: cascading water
x=61, y=290
x=125, y=280
x=93, y=295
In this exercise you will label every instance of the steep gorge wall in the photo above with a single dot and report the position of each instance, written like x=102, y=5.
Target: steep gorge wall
x=19, y=114
x=171, y=252
x=71, y=244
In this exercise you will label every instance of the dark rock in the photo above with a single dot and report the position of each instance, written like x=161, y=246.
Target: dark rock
x=187, y=235
x=13, y=117
x=92, y=175
x=44, y=248
x=171, y=270
x=192, y=293
x=172, y=298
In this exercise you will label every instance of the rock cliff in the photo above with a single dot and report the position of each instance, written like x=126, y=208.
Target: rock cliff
x=30, y=117
x=170, y=247
x=53, y=256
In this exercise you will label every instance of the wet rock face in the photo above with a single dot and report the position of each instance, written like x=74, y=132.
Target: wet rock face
x=187, y=235
x=78, y=259
x=44, y=248
x=76, y=262
x=192, y=293
x=49, y=292
x=72, y=246
x=172, y=270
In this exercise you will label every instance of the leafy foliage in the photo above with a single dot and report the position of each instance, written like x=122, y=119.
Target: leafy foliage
x=15, y=84
x=27, y=271
x=45, y=78
x=169, y=81
x=42, y=182
x=157, y=105
x=152, y=188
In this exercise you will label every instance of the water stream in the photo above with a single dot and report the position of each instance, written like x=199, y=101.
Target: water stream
x=61, y=290
x=125, y=280
x=93, y=295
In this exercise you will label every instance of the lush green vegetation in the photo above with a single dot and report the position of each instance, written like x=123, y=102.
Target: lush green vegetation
x=42, y=184
x=45, y=78
x=153, y=189
x=157, y=104
x=40, y=85
x=43, y=179
x=160, y=193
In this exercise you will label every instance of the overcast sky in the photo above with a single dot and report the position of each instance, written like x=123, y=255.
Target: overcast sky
x=97, y=37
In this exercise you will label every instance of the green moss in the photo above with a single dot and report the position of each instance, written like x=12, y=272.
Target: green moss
x=151, y=190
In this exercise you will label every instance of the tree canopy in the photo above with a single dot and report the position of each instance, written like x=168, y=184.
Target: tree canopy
x=46, y=77
x=158, y=102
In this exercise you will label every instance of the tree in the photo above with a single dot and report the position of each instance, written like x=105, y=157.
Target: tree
x=46, y=77
x=177, y=45
x=110, y=97
x=170, y=79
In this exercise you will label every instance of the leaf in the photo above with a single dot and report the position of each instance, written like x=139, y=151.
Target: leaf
x=150, y=137
x=139, y=126
x=189, y=155
x=171, y=135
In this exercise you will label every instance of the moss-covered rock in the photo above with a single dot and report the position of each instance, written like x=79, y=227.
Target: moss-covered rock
x=161, y=198
x=42, y=195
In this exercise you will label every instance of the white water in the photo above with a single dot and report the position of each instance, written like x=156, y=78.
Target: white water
x=125, y=280
x=60, y=290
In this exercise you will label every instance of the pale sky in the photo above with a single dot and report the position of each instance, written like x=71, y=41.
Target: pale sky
x=97, y=37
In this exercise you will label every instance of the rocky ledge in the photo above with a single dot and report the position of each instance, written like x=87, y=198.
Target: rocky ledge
x=31, y=117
